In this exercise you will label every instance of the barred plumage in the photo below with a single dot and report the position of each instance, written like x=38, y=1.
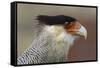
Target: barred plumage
x=34, y=53
x=43, y=50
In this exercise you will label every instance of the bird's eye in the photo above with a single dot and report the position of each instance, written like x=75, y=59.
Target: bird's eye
x=68, y=25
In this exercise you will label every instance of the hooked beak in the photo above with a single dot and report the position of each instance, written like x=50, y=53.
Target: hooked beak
x=82, y=32
x=75, y=28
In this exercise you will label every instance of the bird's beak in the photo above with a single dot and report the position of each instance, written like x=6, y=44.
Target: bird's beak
x=82, y=32
x=75, y=28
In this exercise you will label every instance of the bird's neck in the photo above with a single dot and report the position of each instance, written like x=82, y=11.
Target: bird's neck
x=63, y=40
x=60, y=34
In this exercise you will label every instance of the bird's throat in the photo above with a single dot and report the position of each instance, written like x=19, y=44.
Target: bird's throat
x=62, y=40
x=60, y=35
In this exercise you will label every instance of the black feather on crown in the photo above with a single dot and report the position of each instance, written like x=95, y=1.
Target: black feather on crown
x=55, y=20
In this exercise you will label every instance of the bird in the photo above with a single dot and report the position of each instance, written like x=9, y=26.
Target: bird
x=54, y=37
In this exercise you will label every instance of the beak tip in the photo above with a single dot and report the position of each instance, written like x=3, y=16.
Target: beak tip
x=85, y=37
x=83, y=32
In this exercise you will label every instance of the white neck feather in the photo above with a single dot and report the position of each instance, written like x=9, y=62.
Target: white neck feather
x=63, y=40
x=60, y=34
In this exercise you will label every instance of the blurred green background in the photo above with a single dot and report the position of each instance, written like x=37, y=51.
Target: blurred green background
x=82, y=49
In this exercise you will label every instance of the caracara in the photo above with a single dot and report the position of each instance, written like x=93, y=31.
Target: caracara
x=55, y=35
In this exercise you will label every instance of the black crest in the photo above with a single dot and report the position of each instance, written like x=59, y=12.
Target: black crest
x=55, y=20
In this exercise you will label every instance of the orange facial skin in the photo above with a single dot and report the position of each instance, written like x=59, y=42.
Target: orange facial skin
x=72, y=27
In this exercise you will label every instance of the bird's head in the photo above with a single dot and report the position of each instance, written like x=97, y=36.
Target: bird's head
x=76, y=29
x=64, y=27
